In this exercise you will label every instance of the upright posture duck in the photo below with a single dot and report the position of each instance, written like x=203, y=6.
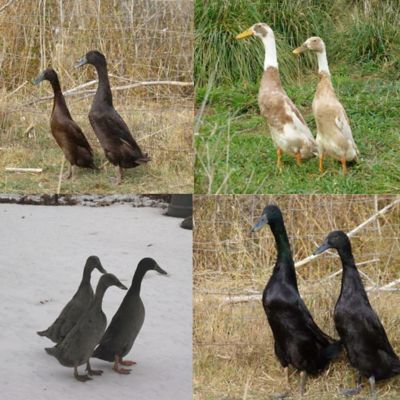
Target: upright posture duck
x=289, y=131
x=79, y=303
x=119, y=146
x=364, y=338
x=127, y=321
x=298, y=340
x=65, y=130
x=334, y=137
x=77, y=347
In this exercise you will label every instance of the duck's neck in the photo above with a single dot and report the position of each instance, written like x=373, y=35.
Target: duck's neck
x=323, y=67
x=98, y=297
x=87, y=272
x=103, y=92
x=59, y=99
x=284, y=264
x=270, y=59
x=137, y=280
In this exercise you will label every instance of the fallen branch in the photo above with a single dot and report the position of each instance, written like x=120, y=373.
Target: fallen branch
x=34, y=170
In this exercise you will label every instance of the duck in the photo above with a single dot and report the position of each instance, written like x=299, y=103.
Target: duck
x=334, y=136
x=78, y=345
x=299, y=341
x=287, y=126
x=127, y=322
x=119, y=146
x=79, y=303
x=65, y=130
x=360, y=329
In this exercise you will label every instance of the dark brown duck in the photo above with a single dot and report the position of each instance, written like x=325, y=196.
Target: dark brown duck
x=65, y=130
x=119, y=146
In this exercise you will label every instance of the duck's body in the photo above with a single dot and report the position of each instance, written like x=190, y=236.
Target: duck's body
x=127, y=321
x=65, y=130
x=288, y=128
x=77, y=306
x=119, y=146
x=361, y=332
x=334, y=136
x=77, y=347
x=298, y=340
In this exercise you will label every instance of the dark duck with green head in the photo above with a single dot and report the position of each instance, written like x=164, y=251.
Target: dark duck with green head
x=298, y=340
x=79, y=303
x=114, y=135
x=127, y=321
x=77, y=347
x=65, y=130
x=362, y=333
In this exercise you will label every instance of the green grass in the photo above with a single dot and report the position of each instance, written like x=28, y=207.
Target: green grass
x=235, y=153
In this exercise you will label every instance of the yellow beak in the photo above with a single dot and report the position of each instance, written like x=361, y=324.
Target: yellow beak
x=299, y=50
x=245, y=34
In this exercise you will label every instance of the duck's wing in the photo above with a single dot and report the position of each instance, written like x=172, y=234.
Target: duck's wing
x=75, y=132
x=342, y=123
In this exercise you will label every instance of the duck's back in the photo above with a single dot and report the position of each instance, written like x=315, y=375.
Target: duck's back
x=123, y=329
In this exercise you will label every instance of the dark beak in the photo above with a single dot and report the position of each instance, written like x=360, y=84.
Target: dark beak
x=81, y=62
x=160, y=270
x=121, y=286
x=324, y=246
x=260, y=223
x=101, y=269
x=38, y=79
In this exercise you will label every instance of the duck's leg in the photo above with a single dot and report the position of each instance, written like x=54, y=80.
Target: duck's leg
x=119, y=175
x=279, y=160
x=321, y=162
x=68, y=174
x=282, y=395
x=344, y=166
x=303, y=380
x=353, y=391
x=117, y=368
x=298, y=158
x=81, y=378
x=92, y=371
x=371, y=381
x=127, y=363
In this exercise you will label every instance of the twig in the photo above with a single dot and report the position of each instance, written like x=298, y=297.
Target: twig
x=34, y=170
x=6, y=5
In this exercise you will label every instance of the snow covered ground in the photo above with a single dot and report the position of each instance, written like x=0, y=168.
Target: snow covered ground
x=42, y=254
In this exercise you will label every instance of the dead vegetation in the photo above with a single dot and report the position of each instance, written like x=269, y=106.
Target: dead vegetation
x=233, y=345
x=143, y=40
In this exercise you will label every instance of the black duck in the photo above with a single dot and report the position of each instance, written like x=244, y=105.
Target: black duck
x=114, y=135
x=363, y=336
x=127, y=322
x=79, y=303
x=298, y=340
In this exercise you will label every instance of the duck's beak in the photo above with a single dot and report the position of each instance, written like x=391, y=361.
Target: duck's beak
x=160, y=270
x=101, y=269
x=81, y=62
x=324, y=246
x=260, y=223
x=38, y=79
x=245, y=34
x=121, y=286
x=299, y=50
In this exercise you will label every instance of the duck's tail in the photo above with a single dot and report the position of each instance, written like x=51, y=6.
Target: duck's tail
x=42, y=333
x=51, y=350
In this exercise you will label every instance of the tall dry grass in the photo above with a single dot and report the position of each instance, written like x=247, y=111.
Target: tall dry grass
x=233, y=345
x=143, y=40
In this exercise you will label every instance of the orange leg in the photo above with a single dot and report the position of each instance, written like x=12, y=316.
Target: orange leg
x=298, y=158
x=118, y=369
x=321, y=163
x=127, y=363
x=344, y=166
x=279, y=161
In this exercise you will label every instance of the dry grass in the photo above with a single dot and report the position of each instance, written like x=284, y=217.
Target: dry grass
x=233, y=346
x=143, y=40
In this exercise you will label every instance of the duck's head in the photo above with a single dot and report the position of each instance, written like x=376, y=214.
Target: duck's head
x=94, y=262
x=260, y=30
x=93, y=57
x=47, y=75
x=108, y=280
x=313, y=43
x=149, y=264
x=335, y=240
x=270, y=214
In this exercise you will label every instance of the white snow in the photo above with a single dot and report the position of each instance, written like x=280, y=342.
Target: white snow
x=42, y=254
